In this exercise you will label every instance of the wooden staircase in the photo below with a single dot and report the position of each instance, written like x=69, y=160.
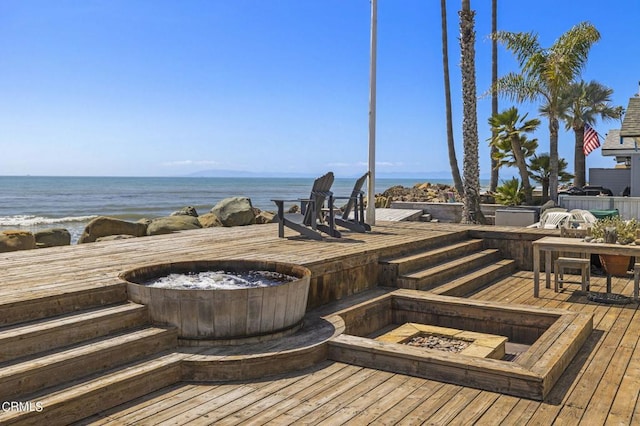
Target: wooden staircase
x=91, y=351
x=454, y=266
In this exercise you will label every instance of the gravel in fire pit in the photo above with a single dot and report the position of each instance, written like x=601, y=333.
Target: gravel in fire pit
x=441, y=343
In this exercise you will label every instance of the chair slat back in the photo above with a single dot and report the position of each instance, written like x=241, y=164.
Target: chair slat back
x=357, y=190
x=320, y=190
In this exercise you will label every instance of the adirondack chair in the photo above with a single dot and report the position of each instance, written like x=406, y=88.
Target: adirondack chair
x=354, y=204
x=312, y=220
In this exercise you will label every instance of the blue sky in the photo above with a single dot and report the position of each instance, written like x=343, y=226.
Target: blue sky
x=160, y=87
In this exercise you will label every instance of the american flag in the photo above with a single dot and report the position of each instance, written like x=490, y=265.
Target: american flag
x=591, y=140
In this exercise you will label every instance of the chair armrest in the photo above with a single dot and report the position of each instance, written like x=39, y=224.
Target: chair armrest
x=291, y=201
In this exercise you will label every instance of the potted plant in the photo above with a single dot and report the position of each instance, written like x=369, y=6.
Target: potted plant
x=616, y=231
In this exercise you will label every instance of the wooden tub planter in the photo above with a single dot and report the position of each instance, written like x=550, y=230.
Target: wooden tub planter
x=615, y=264
x=223, y=316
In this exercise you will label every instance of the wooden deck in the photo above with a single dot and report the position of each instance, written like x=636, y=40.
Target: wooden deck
x=601, y=385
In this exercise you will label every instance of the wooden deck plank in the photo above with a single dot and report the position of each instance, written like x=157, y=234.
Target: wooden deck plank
x=306, y=407
x=365, y=403
x=454, y=406
x=628, y=392
x=113, y=415
x=430, y=406
x=306, y=389
x=602, y=383
x=498, y=411
x=610, y=386
x=475, y=409
x=399, y=411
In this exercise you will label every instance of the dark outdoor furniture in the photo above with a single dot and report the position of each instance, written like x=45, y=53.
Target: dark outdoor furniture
x=312, y=219
x=354, y=204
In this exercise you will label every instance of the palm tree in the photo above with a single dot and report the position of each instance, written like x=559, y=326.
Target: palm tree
x=453, y=161
x=471, y=212
x=544, y=73
x=582, y=103
x=510, y=193
x=509, y=126
x=504, y=151
x=541, y=172
x=494, y=92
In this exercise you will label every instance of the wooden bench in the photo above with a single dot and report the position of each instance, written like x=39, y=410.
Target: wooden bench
x=584, y=265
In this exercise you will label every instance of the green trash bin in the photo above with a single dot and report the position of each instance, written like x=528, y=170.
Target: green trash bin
x=604, y=214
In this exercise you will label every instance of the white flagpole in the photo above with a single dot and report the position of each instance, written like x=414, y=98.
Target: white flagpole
x=371, y=188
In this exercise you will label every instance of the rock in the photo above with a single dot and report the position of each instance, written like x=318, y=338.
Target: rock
x=424, y=192
x=104, y=226
x=382, y=202
x=169, y=224
x=235, y=211
x=16, y=240
x=265, y=217
x=209, y=220
x=294, y=209
x=115, y=237
x=186, y=211
x=52, y=238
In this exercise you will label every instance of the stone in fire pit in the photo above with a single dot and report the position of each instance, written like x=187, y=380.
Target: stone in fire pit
x=441, y=343
x=434, y=337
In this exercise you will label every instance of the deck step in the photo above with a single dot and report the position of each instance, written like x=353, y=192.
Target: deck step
x=20, y=306
x=472, y=282
x=45, y=334
x=85, y=397
x=425, y=244
x=56, y=367
x=388, y=266
x=431, y=277
x=423, y=259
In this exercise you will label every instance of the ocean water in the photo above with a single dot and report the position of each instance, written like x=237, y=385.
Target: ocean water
x=35, y=202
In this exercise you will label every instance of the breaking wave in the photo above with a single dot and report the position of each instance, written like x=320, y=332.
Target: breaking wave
x=30, y=220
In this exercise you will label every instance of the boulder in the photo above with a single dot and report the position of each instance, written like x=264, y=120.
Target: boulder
x=186, y=211
x=169, y=224
x=265, y=217
x=382, y=202
x=16, y=240
x=209, y=220
x=235, y=211
x=104, y=226
x=115, y=237
x=52, y=238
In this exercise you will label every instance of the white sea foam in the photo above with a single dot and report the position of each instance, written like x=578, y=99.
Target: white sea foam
x=30, y=220
x=220, y=280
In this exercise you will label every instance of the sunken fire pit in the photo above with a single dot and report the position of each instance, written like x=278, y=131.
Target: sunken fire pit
x=224, y=315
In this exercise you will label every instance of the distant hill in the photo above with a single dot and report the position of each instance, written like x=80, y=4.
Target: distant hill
x=440, y=175
x=242, y=173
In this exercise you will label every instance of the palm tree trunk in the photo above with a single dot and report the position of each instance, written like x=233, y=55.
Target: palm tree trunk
x=453, y=161
x=545, y=190
x=521, y=163
x=471, y=212
x=579, y=159
x=494, y=92
x=553, y=158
